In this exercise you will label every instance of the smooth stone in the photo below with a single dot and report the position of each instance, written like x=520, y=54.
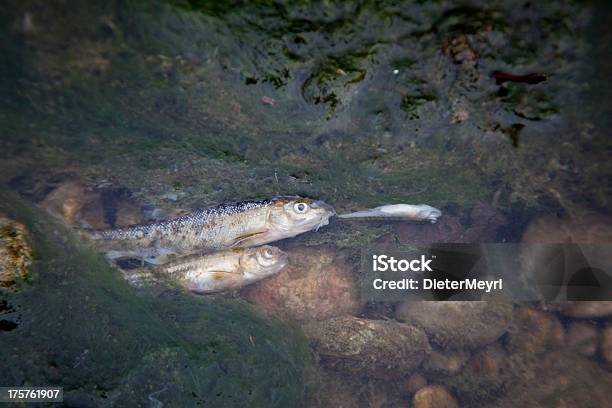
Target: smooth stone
x=434, y=396
x=376, y=348
x=458, y=324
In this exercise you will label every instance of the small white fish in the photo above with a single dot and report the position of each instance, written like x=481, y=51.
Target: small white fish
x=217, y=271
x=421, y=212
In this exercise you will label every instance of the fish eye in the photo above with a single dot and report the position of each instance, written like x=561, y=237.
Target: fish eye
x=267, y=253
x=300, y=207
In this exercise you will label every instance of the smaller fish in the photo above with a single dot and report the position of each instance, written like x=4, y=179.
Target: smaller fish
x=421, y=212
x=218, y=271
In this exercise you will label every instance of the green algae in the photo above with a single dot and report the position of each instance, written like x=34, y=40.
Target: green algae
x=149, y=95
x=80, y=326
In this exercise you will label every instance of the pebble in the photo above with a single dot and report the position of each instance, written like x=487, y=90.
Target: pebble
x=375, y=348
x=454, y=324
x=434, y=396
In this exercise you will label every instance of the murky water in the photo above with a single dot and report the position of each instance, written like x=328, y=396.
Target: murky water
x=117, y=113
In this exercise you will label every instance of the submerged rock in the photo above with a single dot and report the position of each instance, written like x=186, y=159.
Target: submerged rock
x=317, y=284
x=98, y=208
x=592, y=228
x=414, y=383
x=606, y=345
x=458, y=324
x=67, y=200
x=482, y=376
x=434, y=396
x=446, y=362
x=583, y=337
x=587, y=309
x=558, y=380
x=534, y=331
x=15, y=252
x=376, y=348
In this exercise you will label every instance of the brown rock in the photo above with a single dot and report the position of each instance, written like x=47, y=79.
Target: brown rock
x=534, y=331
x=559, y=379
x=606, y=345
x=376, y=348
x=99, y=209
x=587, y=229
x=446, y=362
x=483, y=376
x=67, y=200
x=317, y=284
x=587, y=309
x=583, y=337
x=434, y=396
x=15, y=253
x=458, y=324
x=415, y=382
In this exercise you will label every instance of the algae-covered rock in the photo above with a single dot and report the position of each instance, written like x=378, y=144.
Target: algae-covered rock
x=85, y=329
x=377, y=348
x=15, y=252
x=458, y=324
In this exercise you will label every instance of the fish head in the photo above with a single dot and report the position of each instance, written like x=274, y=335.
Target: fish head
x=266, y=260
x=290, y=216
x=429, y=213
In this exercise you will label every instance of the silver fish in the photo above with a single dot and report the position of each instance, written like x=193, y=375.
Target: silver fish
x=241, y=224
x=218, y=271
x=421, y=212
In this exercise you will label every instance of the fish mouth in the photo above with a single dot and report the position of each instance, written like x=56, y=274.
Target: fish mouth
x=283, y=260
x=432, y=215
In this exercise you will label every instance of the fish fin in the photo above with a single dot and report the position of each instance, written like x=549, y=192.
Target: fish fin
x=243, y=240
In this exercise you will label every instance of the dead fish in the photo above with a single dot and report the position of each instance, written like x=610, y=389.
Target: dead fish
x=241, y=224
x=217, y=271
x=421, y=212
